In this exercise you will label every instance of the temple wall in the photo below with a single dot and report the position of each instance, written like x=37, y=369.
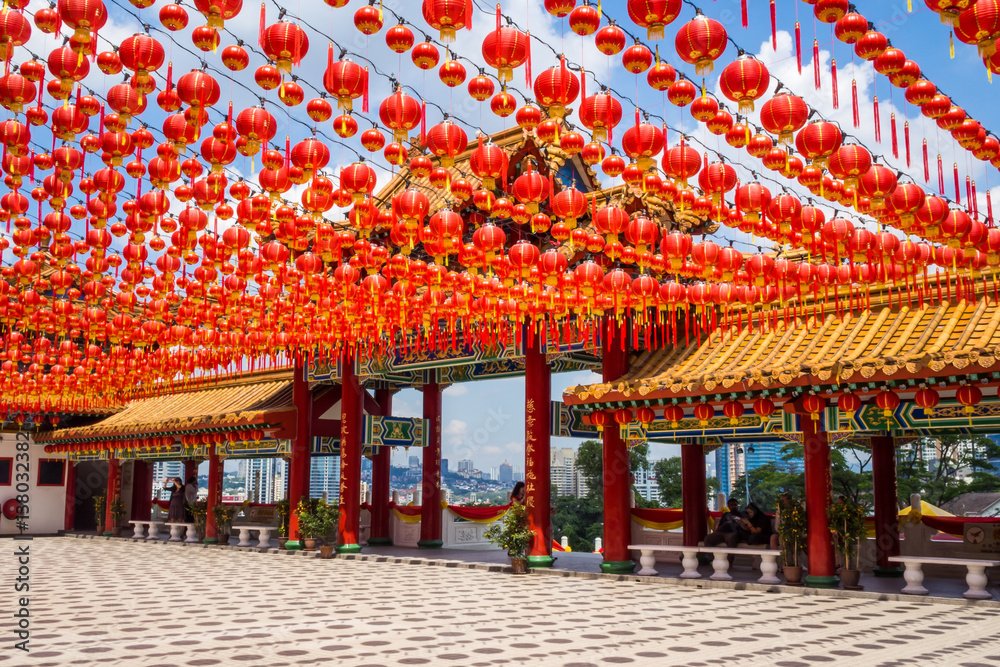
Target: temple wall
x=47, y=504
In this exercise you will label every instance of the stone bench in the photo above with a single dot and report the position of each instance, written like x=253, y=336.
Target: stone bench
x=720, y=562
x=190, y=532
x=263, y=534
x=975, y=575
x=647, y=561
x=139, y=528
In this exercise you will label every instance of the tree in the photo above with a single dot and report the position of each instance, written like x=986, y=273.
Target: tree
x=713, y=486
x=961, y=465
x=590, y=461
x=580, y=520
x=767, y=483
x=668, y=478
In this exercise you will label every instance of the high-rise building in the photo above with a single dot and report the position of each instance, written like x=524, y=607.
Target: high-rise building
x=414, y=461
x=266, y=480
x=465, y=465
x=566, y=478
x=494, y=473
x=444, y=466
x=324, y=476
x=646, y=483
x=506, y=473
x=163, y=470
x=732, y=461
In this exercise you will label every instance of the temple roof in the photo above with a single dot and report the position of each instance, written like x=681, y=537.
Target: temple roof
x=879, y=345
x=230, y=402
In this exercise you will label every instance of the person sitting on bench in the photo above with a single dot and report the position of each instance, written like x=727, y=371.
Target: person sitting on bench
x=755, y=527
x=727, y=528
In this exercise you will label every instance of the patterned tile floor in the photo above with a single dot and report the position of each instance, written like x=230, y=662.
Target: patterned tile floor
x=113, y=602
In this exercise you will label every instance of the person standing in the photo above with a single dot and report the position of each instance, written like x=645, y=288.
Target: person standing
x=190, y=496
x=518, y=494
x=175, y=511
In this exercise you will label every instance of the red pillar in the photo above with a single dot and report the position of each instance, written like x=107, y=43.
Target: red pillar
x=142, y=490
x=617, y=512
x=381, y=480
x=69, y=514
x=886, y=509
x=537, y=461
x=114, y=491
x=818, y=491
x=694, y=493
x=351, y=423
x=430, y=509
x=298, y=466
x=214, y=495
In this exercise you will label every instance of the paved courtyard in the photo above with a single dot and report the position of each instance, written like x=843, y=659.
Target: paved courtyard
x=112, y=602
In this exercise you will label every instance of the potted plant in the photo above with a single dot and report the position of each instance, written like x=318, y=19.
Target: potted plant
x=224, y=515
x=283, y=512
x=117, y=515
x=316, y=519
x=99, y=506
x=792, y=530
x=513, y=535
x=847, y=523
x=199, y=510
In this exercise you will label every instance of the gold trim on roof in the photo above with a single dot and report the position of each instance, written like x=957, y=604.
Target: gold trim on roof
x=214, y=406
x=828, y=350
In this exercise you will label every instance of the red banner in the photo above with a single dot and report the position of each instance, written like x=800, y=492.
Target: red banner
x=479, y=514
x=955, y=525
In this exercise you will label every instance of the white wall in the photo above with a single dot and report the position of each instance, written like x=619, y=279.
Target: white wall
x=47, y=509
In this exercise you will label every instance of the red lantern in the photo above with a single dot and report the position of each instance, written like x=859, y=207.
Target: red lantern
x=600, y=113
x=218, y=11
x=447, y=17
x=703, y=412
x=744, y=80
x=481, y=87
x=399, y=38
x=368, y=20
x=400, y=113
x=489, y=163
x=446, y=140
x=584, y=20
x=425, y=55
x=888, y=401
x=600, y=419
x=969, y=396
x=817, y=141
x=286, y=44
x=849, y=403
x=813, y=405
x=673, y=414
x=653, y=15
x=763, y=407
x=505, y=49
x=927, y=399
x=700, y=42
x=849, y=163
x=556, y=88
x=784, y=115
x=637, y=58
x=980, y=25
x=347, y=80
x=610, y=40
x=235, y=58
x=734, y=410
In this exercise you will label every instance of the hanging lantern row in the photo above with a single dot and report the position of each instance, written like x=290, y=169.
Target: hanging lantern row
x=848, y=403
x=159, y=443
